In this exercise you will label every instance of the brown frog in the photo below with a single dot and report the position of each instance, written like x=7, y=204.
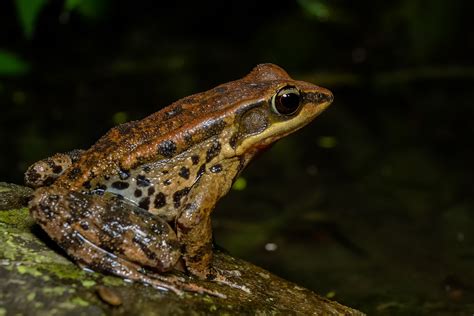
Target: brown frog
x=139, y=201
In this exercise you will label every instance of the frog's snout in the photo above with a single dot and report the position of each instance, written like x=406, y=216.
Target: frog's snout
x=320, y=96
x=329, y=97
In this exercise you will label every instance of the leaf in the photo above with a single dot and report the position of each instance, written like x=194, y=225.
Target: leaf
x=28, y=11
x=316, y=8
x=88, y=8
x=11, y=65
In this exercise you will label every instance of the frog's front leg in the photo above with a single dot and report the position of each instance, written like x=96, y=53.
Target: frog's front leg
x=194, y=231
x=108, y=234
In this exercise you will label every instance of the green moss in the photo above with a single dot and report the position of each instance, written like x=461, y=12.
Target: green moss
x=56, y=290
x=29, y=270
x=66, y=271
x=19, y=218
x=79, y=302
x=88, y=283
x=112, y=281
x=31, y=296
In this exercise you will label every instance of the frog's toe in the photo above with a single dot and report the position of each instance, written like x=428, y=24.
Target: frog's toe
x=46, y=171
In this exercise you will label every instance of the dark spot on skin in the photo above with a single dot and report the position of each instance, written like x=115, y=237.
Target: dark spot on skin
x=200, y=252
x=164, y=172
x=160, y=200
x=151, y=190
x=32, y=175
x=120, y=185
x=57, y=169
x=87, y=184
x=216, y=168
x=167, y=148
x=178, y=195
x=213, y=151
x=137, y=193
x=195, y=159
x=233, y=141
x=48, y=181
x=144, y=203
x=201, y=171
x=142, y=181
x=75, y=154
x=184, y=230
x=146, y=169
x=84, y=225
x=74, y=173
x=173, y=112
x=167, y=182
x=220, y=89
x=184, y=173
x=123, y=174
x=144, y=246
x=214, y=128
x=106, y=177
x=126, y=128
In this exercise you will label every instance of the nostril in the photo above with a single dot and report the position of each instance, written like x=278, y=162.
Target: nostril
x=330, y=97
x=325, y=97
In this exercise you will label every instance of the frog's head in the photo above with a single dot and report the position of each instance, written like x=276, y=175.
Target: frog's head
x=285, y=105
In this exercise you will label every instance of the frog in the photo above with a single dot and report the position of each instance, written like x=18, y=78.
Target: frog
x=137, y=204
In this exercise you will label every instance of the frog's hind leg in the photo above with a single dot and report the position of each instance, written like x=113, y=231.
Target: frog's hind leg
x=110, y=235
x=46, y=171
x=108, y=262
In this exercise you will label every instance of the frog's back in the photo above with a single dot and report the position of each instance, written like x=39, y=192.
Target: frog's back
x=170, y=131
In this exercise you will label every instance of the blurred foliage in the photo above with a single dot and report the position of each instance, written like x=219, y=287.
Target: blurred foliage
x=28, y=11
x=92, y=9
x=12, y=65
x=317, y=8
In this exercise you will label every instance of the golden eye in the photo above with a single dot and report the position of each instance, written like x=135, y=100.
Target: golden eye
x=286, y=101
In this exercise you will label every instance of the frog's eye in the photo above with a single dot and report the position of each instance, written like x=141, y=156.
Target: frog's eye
x=286, y=101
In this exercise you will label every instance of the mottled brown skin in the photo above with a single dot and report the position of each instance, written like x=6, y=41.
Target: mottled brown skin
x=140, y=199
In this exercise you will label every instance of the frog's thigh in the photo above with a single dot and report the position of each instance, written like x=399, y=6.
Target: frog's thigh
x=81, y=224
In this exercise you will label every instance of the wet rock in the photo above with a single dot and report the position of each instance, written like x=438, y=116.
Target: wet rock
x=37, y=278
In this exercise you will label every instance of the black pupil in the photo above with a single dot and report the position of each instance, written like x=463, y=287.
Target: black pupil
x=288, y=103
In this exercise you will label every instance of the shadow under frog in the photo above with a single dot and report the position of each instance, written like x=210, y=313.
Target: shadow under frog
x=138, y=203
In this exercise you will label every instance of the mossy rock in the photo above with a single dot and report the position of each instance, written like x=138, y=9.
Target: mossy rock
x=37, y=278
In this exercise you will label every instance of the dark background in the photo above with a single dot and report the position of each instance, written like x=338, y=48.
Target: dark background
x=371, y=205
